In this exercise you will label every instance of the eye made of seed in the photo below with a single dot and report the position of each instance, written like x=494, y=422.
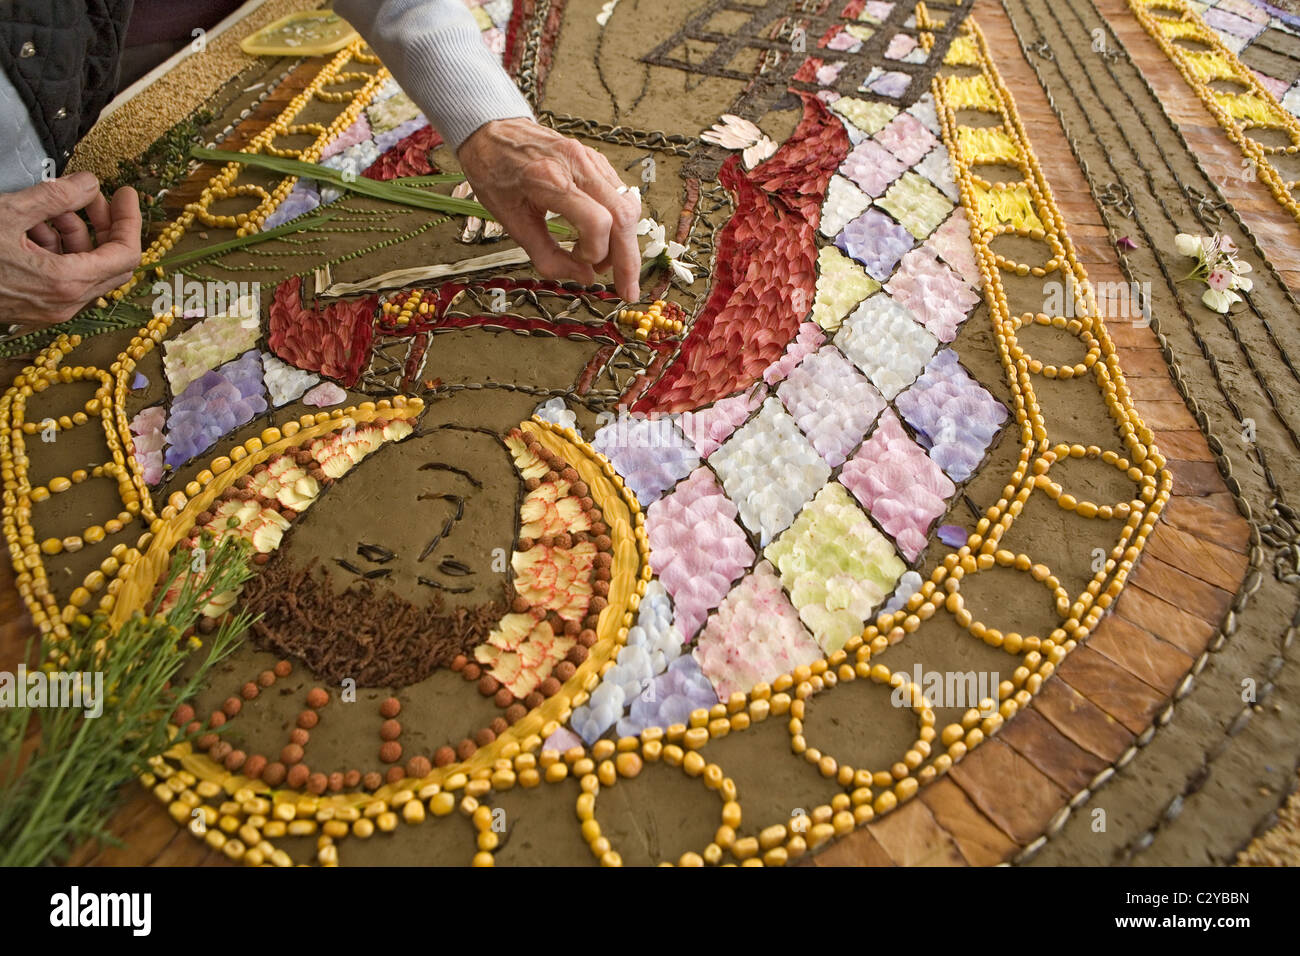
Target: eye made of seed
x=374, y=553
x=443, y=466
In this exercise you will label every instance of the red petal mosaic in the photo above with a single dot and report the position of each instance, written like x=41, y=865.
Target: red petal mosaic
x=767, y=268
x=333, y=340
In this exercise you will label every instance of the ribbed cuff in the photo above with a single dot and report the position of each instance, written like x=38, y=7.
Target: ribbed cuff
x=436, y=53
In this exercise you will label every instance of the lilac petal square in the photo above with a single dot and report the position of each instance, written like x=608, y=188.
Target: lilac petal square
x=1230, y=23
x=1246, y=8
x=876, y=241
x=891, y=83
x=651, y=454
x=954, y=413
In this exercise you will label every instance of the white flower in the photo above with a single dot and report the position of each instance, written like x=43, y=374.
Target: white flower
x=1189, y=245
x=1244, y=284
x=657, y=243
x=733, y=132
x=660, y=246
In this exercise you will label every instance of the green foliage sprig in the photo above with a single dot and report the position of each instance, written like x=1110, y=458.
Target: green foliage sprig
x=65, y=791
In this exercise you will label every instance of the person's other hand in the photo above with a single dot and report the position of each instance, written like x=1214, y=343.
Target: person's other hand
x=520, y=170
x=50, y=266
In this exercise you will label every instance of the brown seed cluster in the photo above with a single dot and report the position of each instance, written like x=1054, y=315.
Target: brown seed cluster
x=376, y=637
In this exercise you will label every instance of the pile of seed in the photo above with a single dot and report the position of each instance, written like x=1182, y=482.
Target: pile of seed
x=374, y=636
x=129, y=130
x=1279, y=846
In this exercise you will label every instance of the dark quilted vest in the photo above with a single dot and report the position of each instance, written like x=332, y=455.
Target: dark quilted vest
x=62, y=56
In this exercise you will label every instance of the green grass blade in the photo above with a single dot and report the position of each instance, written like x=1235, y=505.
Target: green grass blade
x=375, y=189
x=220, y=248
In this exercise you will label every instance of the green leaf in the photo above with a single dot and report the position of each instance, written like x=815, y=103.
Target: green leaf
x=388, y=191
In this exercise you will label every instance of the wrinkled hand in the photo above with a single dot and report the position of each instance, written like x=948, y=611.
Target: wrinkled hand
x=49, y=265
x=520, y=170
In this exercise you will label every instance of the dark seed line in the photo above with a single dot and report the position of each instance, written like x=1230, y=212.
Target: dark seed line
x=429, y=582
x=446, y=530
x=441, y=466
x=374, y=553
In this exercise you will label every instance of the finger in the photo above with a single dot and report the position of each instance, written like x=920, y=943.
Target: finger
x=107, y=259
x=624, y=254
x=44, y=236
x=100, y=216
x=73, y=232
x=601, y=167
x=119, y=250
x=592, y=220
x=529, y=230
x=108, y=285
x=125, y=212
x=47, y=199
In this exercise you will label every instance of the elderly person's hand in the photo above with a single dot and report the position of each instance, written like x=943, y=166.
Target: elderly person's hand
x=50, y=266
x=520, y=170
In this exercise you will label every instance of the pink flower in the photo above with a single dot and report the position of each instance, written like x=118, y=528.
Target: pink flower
x=1219, y=279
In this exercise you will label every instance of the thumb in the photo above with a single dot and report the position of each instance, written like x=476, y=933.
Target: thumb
x=52, y=197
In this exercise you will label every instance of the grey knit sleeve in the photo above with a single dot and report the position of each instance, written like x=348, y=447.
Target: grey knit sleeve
x=436, y=53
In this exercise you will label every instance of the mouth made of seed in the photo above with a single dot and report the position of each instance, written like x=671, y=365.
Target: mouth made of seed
x=438, y=585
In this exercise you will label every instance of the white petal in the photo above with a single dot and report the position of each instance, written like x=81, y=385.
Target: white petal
x=759, y=152
x=682, y=271
x=1187, y=245
x=1216, y=300
x=742, y=126
x=720, y=136
x=732, y=132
